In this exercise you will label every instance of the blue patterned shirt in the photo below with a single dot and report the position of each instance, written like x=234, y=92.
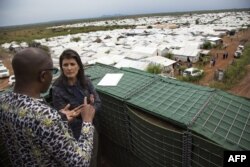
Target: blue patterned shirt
x=35, y=134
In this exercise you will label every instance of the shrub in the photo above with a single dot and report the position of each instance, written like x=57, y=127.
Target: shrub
x=207, y=45
x=191, y=78
x=34, y=44
x=149, y=27
x=75, y=39
x=154, y=68
x=169, y=55
x=197, y=21
x=45, y=48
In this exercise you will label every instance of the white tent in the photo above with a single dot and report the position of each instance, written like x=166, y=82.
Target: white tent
x=132, y=63
x=146, y=51
x=107, y=59
x=135, y=56
x=214, y=40
x=183, y=53
x=160, y=60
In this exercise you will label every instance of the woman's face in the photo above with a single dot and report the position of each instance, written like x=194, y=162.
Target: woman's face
x=70, y=68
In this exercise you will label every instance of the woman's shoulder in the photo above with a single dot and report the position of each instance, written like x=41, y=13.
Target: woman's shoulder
x=58, y=82
x=57, y=86
x=87, y=77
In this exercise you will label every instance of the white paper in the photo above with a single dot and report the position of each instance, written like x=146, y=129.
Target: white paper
x=110, y=79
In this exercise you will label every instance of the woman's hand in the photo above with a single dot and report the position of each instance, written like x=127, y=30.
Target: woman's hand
x=71, y=114
x=88, y=111
x=91, y=99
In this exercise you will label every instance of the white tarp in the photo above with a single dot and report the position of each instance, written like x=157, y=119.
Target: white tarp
x=107, y=59
x=147, y=51
x=132, y=63
x=160, y=60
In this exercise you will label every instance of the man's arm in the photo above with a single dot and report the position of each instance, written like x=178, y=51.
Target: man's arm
x=62, y=146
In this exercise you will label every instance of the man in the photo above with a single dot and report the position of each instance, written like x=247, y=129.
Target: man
x=34, y=133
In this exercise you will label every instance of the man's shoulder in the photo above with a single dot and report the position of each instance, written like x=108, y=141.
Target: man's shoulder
x=6, y=97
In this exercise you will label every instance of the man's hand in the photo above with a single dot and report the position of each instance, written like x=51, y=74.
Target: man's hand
x=71, y=114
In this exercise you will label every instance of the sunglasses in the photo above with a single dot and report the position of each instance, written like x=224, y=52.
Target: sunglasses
x=54, y=70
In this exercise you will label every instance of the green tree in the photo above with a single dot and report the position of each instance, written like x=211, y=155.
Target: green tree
x=207, y=45
x=197, y=21
x=75, y=39
x=149, y=27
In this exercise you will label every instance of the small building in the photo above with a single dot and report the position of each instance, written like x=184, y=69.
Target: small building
x=163, y=50
x=214, y=40
x=189, y=51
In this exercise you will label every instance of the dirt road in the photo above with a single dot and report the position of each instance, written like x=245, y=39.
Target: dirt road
x=243, y=87
x=232, y=44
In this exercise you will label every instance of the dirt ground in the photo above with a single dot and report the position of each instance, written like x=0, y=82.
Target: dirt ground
x=241, y=89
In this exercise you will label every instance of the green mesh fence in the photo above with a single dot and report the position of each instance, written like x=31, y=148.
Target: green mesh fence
x=154, y=141
x=219, y=119
x=226, y=120
x=99, y=70
x=172, y=102
x=116, y=155
x=114, y=121
x=205, y=153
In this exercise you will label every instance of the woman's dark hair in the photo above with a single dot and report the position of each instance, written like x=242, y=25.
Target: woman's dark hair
x=68, y=54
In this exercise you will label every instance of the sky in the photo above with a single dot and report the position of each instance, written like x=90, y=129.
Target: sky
x=18, y=12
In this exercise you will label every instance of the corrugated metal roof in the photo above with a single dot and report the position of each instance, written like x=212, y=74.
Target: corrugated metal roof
x=221, y=117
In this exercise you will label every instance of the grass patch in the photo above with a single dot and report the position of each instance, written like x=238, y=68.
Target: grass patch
x=191, y=79
x=32, y=33
x=154, y=68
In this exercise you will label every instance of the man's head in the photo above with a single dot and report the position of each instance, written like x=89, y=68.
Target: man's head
x=33, y=70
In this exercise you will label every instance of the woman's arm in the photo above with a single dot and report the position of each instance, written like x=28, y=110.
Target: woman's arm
x=97, y=100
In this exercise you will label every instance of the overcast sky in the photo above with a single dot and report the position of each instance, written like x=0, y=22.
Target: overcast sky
x=16, y=12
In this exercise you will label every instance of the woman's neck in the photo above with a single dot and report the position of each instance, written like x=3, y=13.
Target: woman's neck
x=72, y=81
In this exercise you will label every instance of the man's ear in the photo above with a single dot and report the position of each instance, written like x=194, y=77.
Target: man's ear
x=42, y=76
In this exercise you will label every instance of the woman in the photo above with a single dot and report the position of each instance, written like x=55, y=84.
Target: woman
x=72, y=86
x=69, y=91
